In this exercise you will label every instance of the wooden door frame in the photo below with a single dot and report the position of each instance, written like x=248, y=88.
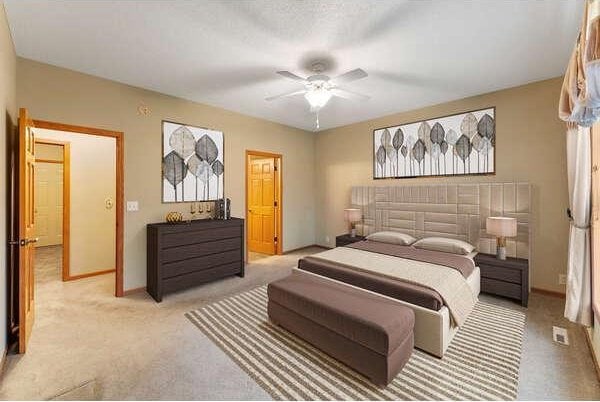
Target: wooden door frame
x=279, y=191
x=120, y=184
x=66, y=190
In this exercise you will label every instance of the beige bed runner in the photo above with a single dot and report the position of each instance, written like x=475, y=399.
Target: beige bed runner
x=449, y=283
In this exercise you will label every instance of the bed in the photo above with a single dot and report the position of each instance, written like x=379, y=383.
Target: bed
x=453, y=211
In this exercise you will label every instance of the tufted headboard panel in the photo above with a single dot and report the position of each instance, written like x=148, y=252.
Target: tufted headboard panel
x=448, y=210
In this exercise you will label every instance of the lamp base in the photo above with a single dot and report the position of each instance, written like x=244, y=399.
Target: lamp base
x=501, y=253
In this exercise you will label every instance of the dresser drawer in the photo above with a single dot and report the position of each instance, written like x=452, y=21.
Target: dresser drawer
x=501, y=273
x=199, y=236
x=501, y=288
x=198, y=250
x=200, y=263
x=194, y=278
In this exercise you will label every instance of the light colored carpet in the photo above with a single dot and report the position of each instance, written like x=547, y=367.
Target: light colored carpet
x=482, y=362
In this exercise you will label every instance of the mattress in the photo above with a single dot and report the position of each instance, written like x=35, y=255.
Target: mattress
x=409, y=292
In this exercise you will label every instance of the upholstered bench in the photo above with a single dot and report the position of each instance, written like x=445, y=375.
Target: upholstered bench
x=370, y=333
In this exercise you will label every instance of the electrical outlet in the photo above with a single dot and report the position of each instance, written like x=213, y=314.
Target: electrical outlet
x=562, y=279
x=132, y=206
x=560, y=335
x=327, y=239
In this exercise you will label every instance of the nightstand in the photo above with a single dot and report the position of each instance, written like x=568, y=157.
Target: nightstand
x=508, y=278
x=345, y=239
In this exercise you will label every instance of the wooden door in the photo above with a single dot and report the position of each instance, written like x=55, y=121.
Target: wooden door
x=49, y=203
x=26, y=228
x=261, y=205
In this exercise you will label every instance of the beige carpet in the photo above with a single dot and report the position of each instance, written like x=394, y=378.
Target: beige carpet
x=482, y=363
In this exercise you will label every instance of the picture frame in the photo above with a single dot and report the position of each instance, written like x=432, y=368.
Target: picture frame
x=192, y=163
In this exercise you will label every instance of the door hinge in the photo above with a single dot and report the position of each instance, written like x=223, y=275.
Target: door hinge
x=275, y=167
x=275, y=239
x=275, y=203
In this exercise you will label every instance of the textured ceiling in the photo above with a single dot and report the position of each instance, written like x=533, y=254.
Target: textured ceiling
x=226, y=53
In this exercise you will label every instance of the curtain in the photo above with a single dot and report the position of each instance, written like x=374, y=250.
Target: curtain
x=580, y=95
x=578, y=306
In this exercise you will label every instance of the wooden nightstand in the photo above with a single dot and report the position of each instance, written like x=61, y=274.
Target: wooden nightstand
x=508, y=278
x=344, y=239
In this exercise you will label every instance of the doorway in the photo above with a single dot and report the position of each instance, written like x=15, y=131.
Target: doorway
x=263, y=204
x=93, y=158
x=52, y=206
x=23, y=230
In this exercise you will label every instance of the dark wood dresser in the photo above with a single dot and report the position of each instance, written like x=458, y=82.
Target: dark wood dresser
x=345, y=239
x=182, y=255
x=507, y=278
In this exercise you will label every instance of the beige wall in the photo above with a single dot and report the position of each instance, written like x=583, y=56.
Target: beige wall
x=93, y=181
x=60, y=95
x=530, y=147
x=8, y=120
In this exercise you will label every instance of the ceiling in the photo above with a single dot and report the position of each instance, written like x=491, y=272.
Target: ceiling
x=226, y=53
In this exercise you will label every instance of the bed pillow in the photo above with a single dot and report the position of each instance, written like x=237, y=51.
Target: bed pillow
x=402, y=239
x=445, y=245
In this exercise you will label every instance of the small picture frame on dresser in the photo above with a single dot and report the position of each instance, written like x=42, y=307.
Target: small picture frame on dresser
x=507, y=278
x=345, y=239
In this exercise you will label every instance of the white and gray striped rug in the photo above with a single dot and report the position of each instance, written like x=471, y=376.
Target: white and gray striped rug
x=482, y=362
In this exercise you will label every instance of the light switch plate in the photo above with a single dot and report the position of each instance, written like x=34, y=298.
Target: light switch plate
x=132, y=206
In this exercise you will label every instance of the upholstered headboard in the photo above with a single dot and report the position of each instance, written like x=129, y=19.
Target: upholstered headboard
x=448, y=210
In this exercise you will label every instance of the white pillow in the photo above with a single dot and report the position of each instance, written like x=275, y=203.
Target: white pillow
x=445, y=245
x=392, y=238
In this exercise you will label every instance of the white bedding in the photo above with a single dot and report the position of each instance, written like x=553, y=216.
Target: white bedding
x=458, y=294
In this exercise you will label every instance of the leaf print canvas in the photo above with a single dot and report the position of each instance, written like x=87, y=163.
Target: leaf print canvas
x=459, y=144
x=192, y=163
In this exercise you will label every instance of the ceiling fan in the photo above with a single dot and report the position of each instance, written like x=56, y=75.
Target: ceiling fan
x=319, y=88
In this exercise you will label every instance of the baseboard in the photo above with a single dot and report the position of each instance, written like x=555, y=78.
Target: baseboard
x=133, y=291
x=303, y=247
x=548, y=292
x=89, y=274
x=588, y=339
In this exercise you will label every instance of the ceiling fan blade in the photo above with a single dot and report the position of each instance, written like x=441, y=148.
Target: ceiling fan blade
x=286, y=95
x=350, y=76
x=291, y=76
x=344, y=93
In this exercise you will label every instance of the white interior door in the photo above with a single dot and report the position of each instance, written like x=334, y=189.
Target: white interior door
x=49, y=203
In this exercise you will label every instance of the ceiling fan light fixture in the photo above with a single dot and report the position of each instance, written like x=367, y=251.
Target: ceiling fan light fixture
x=318, y=97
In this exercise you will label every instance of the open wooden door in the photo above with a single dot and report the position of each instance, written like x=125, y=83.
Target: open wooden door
x=26, y=228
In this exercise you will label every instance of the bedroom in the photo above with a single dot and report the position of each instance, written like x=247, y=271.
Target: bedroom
x=111, y=66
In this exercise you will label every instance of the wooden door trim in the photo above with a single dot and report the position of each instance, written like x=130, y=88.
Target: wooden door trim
x=66, y=225
x=120, y=186
x=279, y=191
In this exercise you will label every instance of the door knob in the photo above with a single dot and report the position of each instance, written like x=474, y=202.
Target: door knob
x=25, y=242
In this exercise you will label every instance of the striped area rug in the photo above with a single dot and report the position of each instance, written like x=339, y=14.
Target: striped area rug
x=482, y=362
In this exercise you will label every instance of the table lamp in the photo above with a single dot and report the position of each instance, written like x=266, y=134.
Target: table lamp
x=501, y=227
x=352, y=215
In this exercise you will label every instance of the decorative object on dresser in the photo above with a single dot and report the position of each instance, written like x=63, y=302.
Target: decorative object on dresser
x=508, y=278
x=192, y=163
x=459, y=144
x=353, y=216
x=501, y=227
x=184, y=255
x=174, y=217
x=347, y=238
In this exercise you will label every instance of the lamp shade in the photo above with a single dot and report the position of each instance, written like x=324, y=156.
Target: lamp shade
x=501, y=226
x=352, y=215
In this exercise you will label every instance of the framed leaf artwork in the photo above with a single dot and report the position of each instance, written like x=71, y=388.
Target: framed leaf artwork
x=458, y=144
x=193, y=163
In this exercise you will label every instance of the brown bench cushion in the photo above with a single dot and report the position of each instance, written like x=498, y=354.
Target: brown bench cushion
x=367, y=319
